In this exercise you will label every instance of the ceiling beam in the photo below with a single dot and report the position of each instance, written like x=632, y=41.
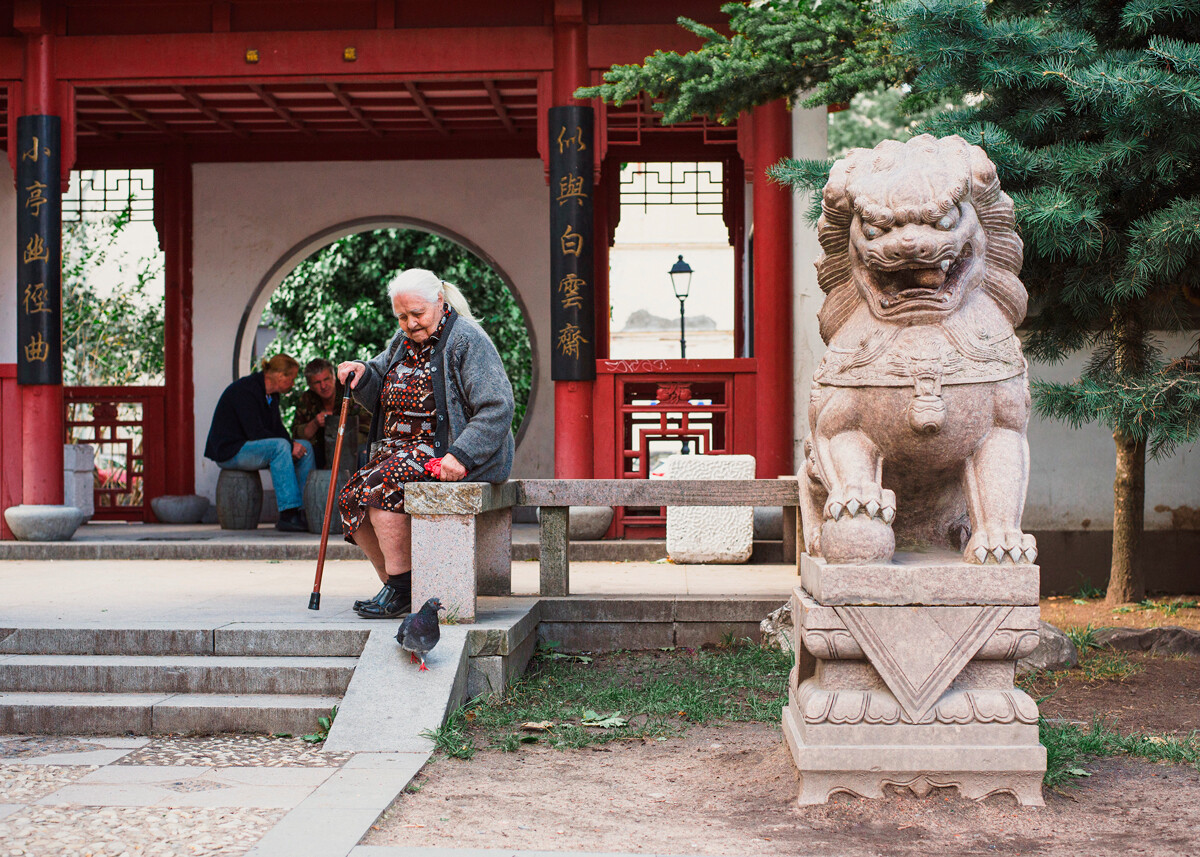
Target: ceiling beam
x=423, y=106
x=280, y=111
x=498, y=103
x=93, y=128
x=128, y=106
x=345, y=101
x=197, y=102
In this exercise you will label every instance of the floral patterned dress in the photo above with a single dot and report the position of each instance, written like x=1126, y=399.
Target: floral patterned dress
x=409, y=421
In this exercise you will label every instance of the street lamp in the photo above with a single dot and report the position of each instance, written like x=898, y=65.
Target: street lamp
x=681, y=282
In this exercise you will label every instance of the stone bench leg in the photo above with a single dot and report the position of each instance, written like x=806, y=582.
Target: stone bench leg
x=444, y=562
x=493, y=552
x=555, y=576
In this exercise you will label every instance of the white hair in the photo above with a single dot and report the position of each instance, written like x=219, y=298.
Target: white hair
x=427, y=285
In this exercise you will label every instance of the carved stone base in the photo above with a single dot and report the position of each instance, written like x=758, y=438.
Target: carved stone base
x=904, y=677
x=976, y=771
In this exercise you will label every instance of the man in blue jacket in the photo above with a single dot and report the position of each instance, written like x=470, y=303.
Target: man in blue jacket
x=247, y=433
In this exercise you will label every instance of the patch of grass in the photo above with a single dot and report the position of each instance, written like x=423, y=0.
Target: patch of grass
x=624, y=696
x=1167, y=608
x=1068, y=747
x=1095, y=664
x=1087, y=591
x=1083, y=638
x=451, y=738
x=324, y=724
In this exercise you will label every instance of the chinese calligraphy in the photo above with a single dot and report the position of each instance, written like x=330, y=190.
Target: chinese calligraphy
x=570, y=187
x=35, y=151
x=35, y=250
x=570, y=286
x=574, y=140
x=36, y=298
x=38, y=349
x=569, y=340
x=572, y=242
x=36, y=198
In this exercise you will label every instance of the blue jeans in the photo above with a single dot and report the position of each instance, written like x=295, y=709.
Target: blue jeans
x=288, y=474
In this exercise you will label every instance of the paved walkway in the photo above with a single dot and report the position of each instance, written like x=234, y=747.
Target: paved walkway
x=233, y=795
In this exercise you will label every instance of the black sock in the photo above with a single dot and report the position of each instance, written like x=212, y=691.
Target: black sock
x=403, y=582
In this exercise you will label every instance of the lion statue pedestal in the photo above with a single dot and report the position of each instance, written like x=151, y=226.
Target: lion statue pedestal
x=905, y=661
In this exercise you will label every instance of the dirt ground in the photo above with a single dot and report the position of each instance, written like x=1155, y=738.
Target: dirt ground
x=730, y=790
x=1062, y=612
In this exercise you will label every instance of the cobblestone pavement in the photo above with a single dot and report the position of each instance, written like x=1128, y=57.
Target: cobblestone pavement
x=159, y=797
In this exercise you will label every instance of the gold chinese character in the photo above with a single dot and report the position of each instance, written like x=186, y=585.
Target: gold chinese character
x=570, y=186
x=35, y=151
x=36, y=198
x=35, y=298
x=569, y=340
x=570, y=286
x=572, y=242
x=37, y=349
x=35, y=250
x=575, y=139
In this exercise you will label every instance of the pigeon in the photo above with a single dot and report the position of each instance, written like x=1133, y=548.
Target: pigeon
x=420, y=632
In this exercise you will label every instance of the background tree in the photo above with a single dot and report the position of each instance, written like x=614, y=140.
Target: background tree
x=833, y=49
x=112, y=337
x=1089, y=110
x=334, y=304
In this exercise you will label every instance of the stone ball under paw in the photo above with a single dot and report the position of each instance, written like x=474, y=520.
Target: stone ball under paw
x=857, y=538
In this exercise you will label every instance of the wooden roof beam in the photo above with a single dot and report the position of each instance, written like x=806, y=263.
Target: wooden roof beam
x=353, y=108
x=128, y=106
x=423, y=106
x=280, y=111
x=93, y=128
x=498, y=103
x=197, y=102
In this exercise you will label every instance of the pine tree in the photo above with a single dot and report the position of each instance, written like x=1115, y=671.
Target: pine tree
x=1090, y=110
x=831, y=49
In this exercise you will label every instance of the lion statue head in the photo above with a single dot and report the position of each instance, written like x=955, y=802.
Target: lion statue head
x=911, y=230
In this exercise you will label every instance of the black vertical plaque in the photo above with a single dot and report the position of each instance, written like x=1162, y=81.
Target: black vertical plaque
x=572, y=307
x=39, y=251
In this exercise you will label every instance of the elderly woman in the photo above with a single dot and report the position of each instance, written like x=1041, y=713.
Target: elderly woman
x=438, y=391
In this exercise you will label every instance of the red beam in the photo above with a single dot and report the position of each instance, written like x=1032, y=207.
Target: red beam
x=352, y=108
x=498, y=104
x=281, y=111
x=305, y=53
x=623, y=44
x=128, y=106
x=197, y=102
x=424, y=107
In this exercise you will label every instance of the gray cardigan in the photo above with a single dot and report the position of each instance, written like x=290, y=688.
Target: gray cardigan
x=470, y=388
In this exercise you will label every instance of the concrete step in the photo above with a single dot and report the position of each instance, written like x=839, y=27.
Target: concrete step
x=159, y=713
x=238, y=638
x=175, y=674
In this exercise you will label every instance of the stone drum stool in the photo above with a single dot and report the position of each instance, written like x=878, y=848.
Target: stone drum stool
x=239, y=499
x=316, y=491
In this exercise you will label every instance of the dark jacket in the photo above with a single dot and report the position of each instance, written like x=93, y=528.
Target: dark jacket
x=473, y=395
x=244, y=412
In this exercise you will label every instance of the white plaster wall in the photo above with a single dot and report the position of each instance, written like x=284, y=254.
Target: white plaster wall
x=250, y=217
x=8, y=264
x=1071, y=471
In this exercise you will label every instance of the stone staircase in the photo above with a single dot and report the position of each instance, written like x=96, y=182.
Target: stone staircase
x=239, y=677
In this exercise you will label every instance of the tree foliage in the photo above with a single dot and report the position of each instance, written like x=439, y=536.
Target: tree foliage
x=833, y=49
x=334, y=304
x=111, y=337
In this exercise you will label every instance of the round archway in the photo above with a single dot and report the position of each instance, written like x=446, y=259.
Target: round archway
x=325, y=297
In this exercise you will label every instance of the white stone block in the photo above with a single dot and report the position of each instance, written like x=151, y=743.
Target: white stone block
x=79, y=461
x=697, y=534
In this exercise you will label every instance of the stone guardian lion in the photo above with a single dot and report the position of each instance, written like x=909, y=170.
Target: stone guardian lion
x=919, y=407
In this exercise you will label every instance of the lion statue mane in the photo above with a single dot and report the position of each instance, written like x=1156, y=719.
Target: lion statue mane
x=919, y=407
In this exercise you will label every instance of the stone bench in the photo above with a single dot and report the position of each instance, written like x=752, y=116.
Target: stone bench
x=462, y=531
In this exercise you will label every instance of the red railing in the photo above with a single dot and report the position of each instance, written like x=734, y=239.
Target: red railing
x=648, y=409
x=126, y=426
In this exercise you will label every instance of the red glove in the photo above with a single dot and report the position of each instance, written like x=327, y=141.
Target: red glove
x=434, y=467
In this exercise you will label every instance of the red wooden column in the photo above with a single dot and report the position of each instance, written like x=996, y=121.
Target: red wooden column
x=42, y=417
x=173, y=207
x=574, y=423
x=772, y=204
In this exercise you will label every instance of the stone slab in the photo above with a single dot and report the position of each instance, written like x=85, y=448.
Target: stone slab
x=608, y=636
x=208, y=714
x=268, y=640
x=657, y=492
x=109, y=641
x=389, y=703
x=77, y=714
x=717, y=534
x=498, y=631
x=932, y=578
x=457, y=498
x=443, y=555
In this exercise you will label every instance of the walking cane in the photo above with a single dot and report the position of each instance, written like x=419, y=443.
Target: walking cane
x=314, y=601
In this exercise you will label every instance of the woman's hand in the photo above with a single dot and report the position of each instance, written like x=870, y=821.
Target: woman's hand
x=344, y=369
x=452, y=469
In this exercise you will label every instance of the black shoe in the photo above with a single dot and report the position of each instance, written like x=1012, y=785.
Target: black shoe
x=379, y=596
x=291, y=521
x=392, y=602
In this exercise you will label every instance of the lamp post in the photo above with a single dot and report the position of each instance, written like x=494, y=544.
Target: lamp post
x=681, y=282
